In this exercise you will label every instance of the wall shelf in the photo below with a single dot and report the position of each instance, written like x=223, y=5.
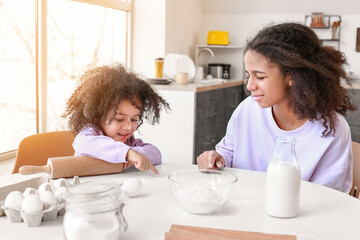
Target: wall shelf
x=227, y=54
x=326, y=33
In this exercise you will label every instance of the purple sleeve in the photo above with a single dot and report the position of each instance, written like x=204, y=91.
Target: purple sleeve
x=146, y=149
x=91, y=142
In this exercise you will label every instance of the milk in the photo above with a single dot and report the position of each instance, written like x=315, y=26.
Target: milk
x=282, y=192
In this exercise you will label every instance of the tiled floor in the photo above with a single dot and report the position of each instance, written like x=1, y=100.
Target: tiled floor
x=6, y=166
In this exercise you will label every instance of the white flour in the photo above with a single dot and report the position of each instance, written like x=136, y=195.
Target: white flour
x=97, y=226
x=201, y=200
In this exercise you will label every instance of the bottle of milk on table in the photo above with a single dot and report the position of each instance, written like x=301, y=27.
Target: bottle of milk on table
x=282, y=192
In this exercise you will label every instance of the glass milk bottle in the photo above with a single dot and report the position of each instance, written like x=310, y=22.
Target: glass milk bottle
x=282, y=192
x=93, y=211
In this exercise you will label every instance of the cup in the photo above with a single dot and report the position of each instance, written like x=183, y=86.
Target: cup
x=199, y=73
x=181, y=78
x=159, y=63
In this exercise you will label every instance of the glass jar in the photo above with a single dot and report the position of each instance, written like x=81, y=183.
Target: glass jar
x=159, y=63
x=282, y=191
x=93, y=211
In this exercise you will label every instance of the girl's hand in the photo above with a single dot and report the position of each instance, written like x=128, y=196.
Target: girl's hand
x=210, y=160
x=140, y=161
x=127, y=165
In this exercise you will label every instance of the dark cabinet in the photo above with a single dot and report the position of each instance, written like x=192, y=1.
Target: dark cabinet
x=353, y=117
x=213, y=111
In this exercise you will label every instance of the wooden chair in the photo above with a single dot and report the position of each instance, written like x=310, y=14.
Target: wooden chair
x=36, y=149
x=356, y=169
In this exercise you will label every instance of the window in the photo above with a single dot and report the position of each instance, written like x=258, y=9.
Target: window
x=36, y=81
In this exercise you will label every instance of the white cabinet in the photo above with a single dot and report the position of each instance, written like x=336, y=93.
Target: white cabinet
x=174, y=135
x=230, y=54
x=196, y=123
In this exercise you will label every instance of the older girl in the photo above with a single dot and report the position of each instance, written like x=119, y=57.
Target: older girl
x=296, y=91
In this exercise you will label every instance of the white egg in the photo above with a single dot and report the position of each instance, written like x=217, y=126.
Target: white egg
x=48, y=198
x=59, y=192
x=30, y=191
x=14, y=200
x=132, y=187
x=61, y=182
x=46, y=187
x=32, y=204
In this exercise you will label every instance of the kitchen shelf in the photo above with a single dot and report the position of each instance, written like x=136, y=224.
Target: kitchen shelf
x=226, y=54
x=325, y=33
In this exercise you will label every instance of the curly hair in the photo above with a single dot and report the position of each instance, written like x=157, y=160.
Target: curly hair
x=100, y=91
x=316, y=71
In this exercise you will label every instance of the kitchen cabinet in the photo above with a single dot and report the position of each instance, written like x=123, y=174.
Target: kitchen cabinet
x=197, y=120
x=213, y=111
x=230, y=54
x=353, y=117
x=324, y=26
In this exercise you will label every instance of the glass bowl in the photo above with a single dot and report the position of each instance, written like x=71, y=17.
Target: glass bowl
x=202, y=191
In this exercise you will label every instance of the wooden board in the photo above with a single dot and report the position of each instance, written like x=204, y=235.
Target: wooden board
x=358, y=40
x=180, y=232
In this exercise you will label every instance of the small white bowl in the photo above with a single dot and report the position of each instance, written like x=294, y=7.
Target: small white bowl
x=202, y=191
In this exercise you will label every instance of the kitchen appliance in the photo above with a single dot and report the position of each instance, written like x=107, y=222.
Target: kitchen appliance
x=218, y=38
x=219, y=70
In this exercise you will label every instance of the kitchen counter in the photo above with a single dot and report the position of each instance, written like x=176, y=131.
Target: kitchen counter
x=201, y=86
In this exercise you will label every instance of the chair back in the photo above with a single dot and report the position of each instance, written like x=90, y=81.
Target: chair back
x=356, y=168
x=36, y=149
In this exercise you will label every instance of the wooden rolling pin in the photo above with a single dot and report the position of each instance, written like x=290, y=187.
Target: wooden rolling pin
x=63, y=167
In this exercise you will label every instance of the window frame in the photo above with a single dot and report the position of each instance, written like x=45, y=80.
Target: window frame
x=41, y=55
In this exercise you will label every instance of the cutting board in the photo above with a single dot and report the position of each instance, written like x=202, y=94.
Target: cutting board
x=180, y=232
x=70, y=166
x=358, y=40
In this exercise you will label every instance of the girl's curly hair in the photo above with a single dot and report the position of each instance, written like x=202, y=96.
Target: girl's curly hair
x=102, y=88
x=316, y=71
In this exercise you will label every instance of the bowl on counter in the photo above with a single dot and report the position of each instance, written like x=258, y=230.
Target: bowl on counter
x=202, y=191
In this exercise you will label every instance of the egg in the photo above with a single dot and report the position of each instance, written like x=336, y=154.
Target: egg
x=30, y=191
x=14, y=200
x=48, y=198
x=59, y=192
x=46, y=187
x=32, y=204
x=61, y=182
x=132, y=187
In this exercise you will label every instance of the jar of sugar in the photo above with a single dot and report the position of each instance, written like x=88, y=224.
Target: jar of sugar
x=93, y=211
x=282, y=191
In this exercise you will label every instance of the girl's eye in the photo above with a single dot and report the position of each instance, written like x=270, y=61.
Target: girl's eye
x=260, y=78
x=119, y=120
x=134, y=120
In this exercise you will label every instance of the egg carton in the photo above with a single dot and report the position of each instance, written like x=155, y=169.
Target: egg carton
x=40, y=206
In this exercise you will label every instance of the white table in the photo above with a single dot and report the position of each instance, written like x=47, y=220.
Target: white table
x=324, y=213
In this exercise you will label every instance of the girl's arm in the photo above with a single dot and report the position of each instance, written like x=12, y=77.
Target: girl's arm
x=146, y=149
x=90, y=142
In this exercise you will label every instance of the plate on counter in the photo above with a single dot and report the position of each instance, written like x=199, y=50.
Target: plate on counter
x=176, y=63
x=158, y=81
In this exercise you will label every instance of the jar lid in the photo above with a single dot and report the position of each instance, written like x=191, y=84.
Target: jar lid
x=92, y=192
x=159, y=59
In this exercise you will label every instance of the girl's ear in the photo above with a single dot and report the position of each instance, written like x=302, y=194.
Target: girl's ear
x=289, y=80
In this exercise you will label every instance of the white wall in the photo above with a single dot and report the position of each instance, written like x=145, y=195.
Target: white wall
x=184, y=23
x=244, y=18
x=148, y=35
x=176, y=26
x=162, y=27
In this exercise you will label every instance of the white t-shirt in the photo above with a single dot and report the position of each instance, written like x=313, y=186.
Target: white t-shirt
x=249, y=144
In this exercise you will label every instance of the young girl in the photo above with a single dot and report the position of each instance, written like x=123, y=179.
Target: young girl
x=295, y=91
x=104, y=112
